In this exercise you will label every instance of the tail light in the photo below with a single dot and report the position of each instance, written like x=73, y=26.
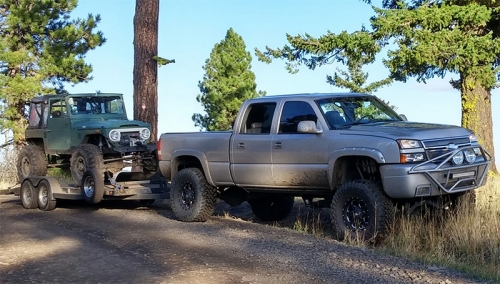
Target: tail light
x=159, y=150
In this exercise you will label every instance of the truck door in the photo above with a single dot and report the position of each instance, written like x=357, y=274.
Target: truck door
x=299, y=159
x=58, y=135
x=251, y=147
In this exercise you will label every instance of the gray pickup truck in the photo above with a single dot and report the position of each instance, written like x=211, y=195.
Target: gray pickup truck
x=350, y=152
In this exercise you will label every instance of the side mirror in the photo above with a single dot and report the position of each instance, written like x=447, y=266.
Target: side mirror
x=403, y=117
x=308, y=126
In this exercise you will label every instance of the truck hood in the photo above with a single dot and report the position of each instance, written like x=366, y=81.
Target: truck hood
x=108, y=124
x=407, y=130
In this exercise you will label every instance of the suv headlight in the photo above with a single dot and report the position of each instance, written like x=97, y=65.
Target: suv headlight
x=114, y=135
x=145, y=134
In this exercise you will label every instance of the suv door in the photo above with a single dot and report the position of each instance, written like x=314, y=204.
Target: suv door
x=58, y=132
x=251, y=147
x=299, y=159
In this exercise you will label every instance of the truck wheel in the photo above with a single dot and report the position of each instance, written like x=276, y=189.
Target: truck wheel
x=361, y=211
x=45, y=202
x=273, y=208
x=191, y=197
x=31, y=161
x=92, y=186
x=85, y=156
x=29, y=195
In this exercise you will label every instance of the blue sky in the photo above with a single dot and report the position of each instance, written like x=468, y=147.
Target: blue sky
x=188, y=30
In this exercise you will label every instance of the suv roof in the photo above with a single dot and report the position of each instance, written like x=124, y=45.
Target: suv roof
x=44, y=98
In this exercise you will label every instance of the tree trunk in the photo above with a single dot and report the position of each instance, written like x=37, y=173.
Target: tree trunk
x=476, y=114
x=145, y=67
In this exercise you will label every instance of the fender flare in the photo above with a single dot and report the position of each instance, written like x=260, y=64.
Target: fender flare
x=199, y=155
x=352, y=151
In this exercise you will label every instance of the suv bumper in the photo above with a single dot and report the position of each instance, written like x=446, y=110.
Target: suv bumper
x=431, y=178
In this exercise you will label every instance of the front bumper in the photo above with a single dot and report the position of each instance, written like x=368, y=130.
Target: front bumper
x=433, y=178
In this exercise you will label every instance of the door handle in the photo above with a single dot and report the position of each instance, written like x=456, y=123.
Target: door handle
x=240, y=146
x=278, y=145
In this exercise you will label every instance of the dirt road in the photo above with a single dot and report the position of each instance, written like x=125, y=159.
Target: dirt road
x=124, y=243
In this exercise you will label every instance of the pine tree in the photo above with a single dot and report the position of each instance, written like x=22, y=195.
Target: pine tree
x=146, y=62
x=41, y=49
x=228, y=82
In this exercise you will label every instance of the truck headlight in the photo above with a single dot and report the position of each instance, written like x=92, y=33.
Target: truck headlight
x=145, y=133
x=114, y=135
x=409, y=144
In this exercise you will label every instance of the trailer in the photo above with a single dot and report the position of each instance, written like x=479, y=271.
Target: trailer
x=43, y=191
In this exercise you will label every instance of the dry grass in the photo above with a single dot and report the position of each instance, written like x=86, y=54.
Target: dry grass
x=470, y=242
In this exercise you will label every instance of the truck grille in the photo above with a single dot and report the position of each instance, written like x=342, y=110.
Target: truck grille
x=436, y=148
x=443, y=143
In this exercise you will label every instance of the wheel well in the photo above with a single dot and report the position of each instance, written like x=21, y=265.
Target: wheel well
x=35, y=141
x=94, y=139
x=351, y=168
x=183, y=162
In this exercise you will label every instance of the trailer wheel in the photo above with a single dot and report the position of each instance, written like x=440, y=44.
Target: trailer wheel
x=85, y=156
x=92, y=186
x=273, y=208
x=191, y=197
x=29, y=195
x=31, y=161
x=360, y=210
x=45, y=202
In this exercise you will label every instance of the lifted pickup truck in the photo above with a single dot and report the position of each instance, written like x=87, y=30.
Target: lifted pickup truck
x=348, y=151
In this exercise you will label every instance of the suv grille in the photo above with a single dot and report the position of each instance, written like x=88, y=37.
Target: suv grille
x=129, y=138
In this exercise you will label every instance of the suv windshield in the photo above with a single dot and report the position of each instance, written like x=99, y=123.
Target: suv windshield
x=96, y=105
x=342, y=112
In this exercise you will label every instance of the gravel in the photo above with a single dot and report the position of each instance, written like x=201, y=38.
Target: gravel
x=122, y=243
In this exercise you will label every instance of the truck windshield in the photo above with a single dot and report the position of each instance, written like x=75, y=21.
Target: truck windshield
x=96, y=105
x=341, y=112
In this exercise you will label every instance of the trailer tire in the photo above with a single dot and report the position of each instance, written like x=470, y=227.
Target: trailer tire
x=273, y=208
x=85, y=156
x=360, y=210
x=191, y=197
x=45, y=202
x=92, y=186
x=31, y=161
x=29, y=195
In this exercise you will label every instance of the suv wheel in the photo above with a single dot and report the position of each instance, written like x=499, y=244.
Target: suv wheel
x=31, y=161
x=85, y=156
x=360, y=210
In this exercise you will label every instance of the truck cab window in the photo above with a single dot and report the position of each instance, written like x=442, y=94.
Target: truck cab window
x=293, y=113
x=259, y=118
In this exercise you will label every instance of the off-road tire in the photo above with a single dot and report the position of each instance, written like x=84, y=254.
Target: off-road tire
x=191, y=197
x=31, y=161
x=92, y=186
x=45, y=202
x=29, y=194
x=272, y=208
x=85, y=156
x=360, y=210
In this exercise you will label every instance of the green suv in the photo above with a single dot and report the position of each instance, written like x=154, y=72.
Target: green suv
x=76, y=132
